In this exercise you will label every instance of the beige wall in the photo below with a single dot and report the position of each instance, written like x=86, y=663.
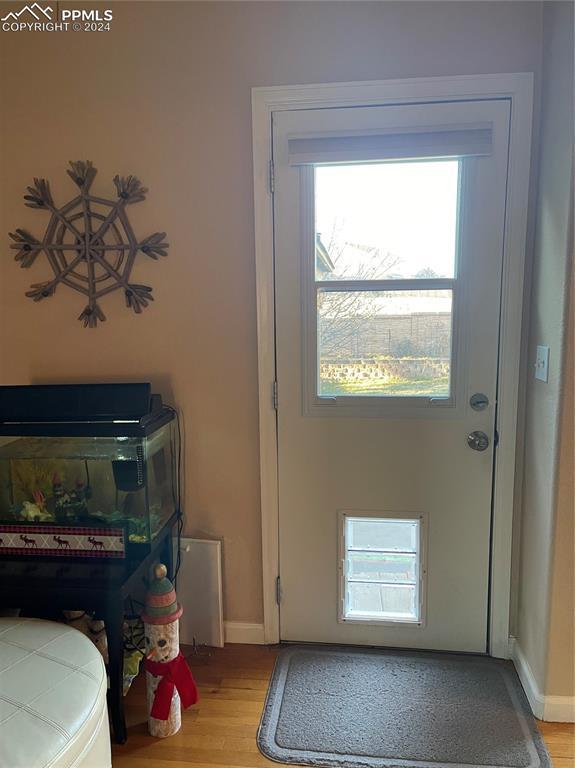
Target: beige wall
x=166, y=96
x=561, y=651
x=545, y=608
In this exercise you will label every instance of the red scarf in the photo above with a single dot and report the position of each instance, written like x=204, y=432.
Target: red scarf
x=174, y=674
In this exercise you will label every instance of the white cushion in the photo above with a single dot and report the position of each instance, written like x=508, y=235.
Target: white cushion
x=52, y=697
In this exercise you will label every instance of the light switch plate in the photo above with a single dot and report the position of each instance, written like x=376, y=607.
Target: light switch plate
x=542, y=363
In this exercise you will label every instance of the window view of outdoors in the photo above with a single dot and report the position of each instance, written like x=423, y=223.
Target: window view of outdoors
x=385, y=221
x=384, y=342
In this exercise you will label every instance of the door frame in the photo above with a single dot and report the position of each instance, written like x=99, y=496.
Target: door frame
x=518, y=89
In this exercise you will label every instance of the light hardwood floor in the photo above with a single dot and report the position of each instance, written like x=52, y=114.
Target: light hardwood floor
x=221, y=729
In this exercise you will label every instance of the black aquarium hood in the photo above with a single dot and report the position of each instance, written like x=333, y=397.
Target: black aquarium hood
x=82, y=410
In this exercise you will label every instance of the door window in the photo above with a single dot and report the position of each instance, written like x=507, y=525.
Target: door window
x=385, y=269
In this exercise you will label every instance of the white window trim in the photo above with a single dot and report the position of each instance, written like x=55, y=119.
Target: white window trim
x=422, y=517
x=518, y=88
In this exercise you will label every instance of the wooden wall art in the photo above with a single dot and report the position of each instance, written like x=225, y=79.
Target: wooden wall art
x=89, y=243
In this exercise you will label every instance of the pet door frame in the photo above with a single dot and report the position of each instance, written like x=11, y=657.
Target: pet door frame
x=421, y=518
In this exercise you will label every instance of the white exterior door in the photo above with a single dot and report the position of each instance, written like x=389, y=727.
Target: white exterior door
x=389, y=225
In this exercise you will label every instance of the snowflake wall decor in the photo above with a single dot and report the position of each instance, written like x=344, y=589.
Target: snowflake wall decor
x=89, y=243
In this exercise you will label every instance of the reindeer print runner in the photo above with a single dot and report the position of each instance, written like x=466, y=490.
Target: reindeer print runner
x=61, y=541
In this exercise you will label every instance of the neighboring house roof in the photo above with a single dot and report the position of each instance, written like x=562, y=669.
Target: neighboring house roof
x=322, y=259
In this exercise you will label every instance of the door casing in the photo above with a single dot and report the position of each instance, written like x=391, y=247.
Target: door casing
x=518, y=89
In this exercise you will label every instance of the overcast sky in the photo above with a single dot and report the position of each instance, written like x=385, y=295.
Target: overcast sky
x=406, y=208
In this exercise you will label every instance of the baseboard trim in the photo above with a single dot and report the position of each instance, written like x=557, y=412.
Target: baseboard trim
x=555, y=709
x=241, y=632
x=534, y=695
x=559, y=709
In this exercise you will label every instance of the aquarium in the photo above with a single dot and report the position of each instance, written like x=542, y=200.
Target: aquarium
x=81, y=494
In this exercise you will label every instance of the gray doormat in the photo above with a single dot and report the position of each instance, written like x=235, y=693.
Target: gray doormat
x=381, y=709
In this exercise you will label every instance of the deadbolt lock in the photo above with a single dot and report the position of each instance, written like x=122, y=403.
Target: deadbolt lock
x=479, y=401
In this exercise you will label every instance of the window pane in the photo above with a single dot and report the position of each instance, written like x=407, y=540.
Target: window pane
x=382, y=569
x=380, y=221
x=380, y=601
x=376, y=566
x=389, y=535
x=384, y=343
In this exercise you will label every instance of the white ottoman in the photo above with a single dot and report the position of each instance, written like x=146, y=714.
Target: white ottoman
x=52, y=698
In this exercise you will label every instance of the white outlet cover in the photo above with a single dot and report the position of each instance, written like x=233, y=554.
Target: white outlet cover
x=542, y=363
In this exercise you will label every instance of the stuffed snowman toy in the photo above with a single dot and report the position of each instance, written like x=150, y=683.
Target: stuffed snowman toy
x=169, y=682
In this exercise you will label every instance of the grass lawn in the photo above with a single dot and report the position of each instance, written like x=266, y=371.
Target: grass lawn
x=437, y=387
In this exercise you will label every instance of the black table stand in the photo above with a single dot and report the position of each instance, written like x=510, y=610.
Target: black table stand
x=97, y=586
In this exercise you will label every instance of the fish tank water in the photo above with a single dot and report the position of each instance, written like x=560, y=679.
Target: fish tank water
x=66, y=482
